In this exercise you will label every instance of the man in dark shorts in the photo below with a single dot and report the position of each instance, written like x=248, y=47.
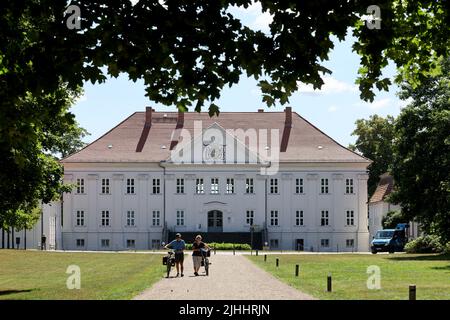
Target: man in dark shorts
x=178, y=245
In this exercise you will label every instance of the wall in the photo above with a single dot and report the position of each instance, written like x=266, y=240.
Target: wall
x=233, y=206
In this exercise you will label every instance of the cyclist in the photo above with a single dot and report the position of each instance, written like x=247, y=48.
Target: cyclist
x=197, y=254
x=178, y=245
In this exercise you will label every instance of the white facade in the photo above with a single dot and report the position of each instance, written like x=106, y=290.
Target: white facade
x=378, y=210
x=278, y=212
x=49, y=225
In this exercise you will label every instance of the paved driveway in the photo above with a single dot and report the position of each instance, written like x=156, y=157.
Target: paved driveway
x=231, y=278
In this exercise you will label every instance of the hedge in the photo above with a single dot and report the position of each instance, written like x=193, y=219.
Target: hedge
x=224, y=246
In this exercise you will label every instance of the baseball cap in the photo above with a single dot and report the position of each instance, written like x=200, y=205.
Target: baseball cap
x=178, y=235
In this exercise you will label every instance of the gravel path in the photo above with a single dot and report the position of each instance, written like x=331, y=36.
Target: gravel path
x=231, y=278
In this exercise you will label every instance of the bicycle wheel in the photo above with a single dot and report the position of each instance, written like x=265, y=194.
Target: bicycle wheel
x=207, y=266
x=169, y=265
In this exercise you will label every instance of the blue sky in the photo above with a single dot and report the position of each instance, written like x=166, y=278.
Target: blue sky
x=334, y=109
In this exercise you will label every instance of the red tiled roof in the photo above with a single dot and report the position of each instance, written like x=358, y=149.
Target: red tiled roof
x=301, y=144
x=384, y=188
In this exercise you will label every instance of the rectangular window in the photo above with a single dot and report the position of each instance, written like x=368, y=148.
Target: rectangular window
x=156, y=218
x=105, y=243
x=80, y=218
x=131, y=243
x=325, y=243
x=273, y=186
x=130, y=186
x=348, y=186
x=156, y=186
x=156, y=243
x=105, y=186
x=350, y=243
x=180, y=218
x=350, y=218
x=298, y=186
x=274, y=217
x=299, y=218
x=324, y=218
x=273, y=243
x=80, y=186
x=80, y=243
x=249, y=186
x=230, y=185
x=323, y=185
x=130, y=218
x=214, y=185
x=180, y=185
x=105, y=218
x=249, y=217
x=199, y=186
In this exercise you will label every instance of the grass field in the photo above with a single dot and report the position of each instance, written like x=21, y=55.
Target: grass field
x=430, y=274
x=42, y=275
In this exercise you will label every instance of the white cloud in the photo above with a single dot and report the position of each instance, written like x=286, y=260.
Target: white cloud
x=331, y=85
x=332, y=108
x=376, y=104
x=253, y=8
x=404, y=103
x=253, y=16
x=262, y=22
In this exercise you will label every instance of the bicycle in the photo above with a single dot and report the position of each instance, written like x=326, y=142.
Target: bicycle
x=169, y=261
x=205, y=261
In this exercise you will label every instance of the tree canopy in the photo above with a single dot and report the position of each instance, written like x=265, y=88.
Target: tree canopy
x=421, y=164
x=186, y=51
x=415, y=149
x=30, y=172
x=375, y=138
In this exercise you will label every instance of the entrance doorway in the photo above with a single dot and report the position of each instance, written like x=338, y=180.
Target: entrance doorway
x=299, y=245
x=215, y=221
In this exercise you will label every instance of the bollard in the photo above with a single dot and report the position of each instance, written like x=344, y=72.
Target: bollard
x=278, y=262
x=214, y=249
x=296, y=270
x=329, y=283
x=256, y=252
x=234, y=252
x=412, y=292
x=265, y=257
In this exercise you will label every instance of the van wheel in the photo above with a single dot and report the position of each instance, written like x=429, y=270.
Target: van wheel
x=374, y=252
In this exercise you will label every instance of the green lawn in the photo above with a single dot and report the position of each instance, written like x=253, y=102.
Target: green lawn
x=42, y=275
x=430, y=274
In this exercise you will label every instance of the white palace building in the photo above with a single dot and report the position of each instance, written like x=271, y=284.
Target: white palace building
x=244, y=177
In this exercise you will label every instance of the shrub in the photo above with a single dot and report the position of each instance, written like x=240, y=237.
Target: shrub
x=447, y=248
x=425, y=244
x=224, y=246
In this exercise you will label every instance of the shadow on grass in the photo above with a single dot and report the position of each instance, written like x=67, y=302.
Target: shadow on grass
x=6, y=292
x=421, y=257
x=442, y=268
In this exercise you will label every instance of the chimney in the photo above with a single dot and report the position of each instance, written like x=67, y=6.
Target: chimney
x=260, y=110
x=148, y=116
x=288, y=119
x=180, y=119
x=147, y=125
